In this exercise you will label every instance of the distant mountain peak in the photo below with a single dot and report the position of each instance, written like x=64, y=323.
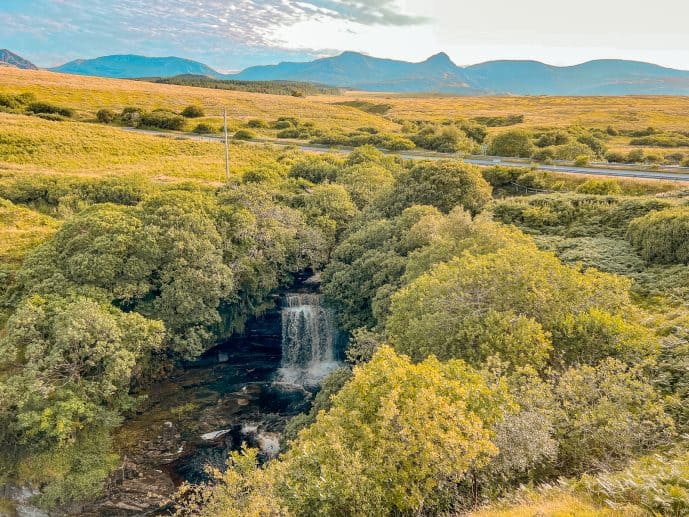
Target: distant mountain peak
x=134, y=66
x=440, y=58
x=11, y=59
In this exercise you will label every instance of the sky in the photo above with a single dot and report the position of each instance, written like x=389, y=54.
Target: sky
x=234, y=34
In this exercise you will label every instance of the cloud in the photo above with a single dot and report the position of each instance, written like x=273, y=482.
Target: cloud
x=224, y=32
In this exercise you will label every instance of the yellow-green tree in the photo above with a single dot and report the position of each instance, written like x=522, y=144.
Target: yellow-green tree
x=400, y=437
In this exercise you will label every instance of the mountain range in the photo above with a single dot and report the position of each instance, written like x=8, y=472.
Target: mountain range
x=131, y=67
x=437, y=74
x=8, y=58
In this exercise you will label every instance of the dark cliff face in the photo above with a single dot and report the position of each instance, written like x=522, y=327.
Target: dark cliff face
x=11, y=59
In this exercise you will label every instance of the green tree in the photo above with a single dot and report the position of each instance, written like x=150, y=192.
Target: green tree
x=399, y=437
x=512, y=303
x=515, y=143
x=444, y=184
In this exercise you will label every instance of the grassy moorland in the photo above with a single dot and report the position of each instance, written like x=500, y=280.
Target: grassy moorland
x=30, y=145
x=636, y=112
x=89, y=94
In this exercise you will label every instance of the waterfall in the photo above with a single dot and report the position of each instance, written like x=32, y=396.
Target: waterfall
x=309, y=339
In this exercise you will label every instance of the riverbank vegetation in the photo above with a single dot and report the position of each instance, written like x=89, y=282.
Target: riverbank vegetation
x=519, y=340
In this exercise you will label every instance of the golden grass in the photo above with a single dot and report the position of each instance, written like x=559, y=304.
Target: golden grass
x=633, y=112
x=21, y=230
x=556, y=504
x=89, y=94
x=30, y=145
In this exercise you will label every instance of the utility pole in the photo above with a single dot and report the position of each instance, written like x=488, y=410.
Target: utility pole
x=227, y=146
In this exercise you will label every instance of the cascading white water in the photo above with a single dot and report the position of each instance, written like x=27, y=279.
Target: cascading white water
x=309, y=339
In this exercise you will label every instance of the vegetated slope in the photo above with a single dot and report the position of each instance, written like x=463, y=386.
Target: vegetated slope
x=132, y=66
x=293, y=88
x=89, y=94
x=9, y=58
x=440, y=74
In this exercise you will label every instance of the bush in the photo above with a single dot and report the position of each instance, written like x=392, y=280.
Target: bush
x=635, y=156
x=497, y=121
x=669, y=140
x=582, y=161
x=662, y=237
x=257, y=123
x=544, y=155
x=516, y=143
x=615, y=157
x=599, y=187
x=315, y=169
x=204, y=128
x=162, y=119
x=292, y=132
x=44, y=107
x=656, y=482
x=106, y=116
x=193, y=112
x=131, y=116
x=572, y=151
x=502, y=176
x=244, y=134
x=443, y=184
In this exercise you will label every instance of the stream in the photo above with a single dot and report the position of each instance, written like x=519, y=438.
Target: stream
x=244, y=390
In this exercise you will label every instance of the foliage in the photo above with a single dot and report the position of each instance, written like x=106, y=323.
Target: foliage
x=500, y=121
x=398, y=437
x=269, y=87
x=609, y=413
x=599, y=187
x=657, y=483
x=443, y=184
x=477, y=306
x=162, y=119
x=106, y=116
x=51, y=109
x=203, y=129
x=447, y=139
x=193, y=111
x=515, y=143
x=244, y=134
x=662, y=237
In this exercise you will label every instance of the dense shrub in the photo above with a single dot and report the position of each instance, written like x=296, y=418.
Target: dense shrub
x=257, y=123
x=244, y=134
x=203, y=128
x=668, y=140
x=51, y=109
x=662, y=237
x=131, y=116
x=193, y=111
x=443, y=184
x=106, y=116
x=516, y=143
x=498, y=121
x=162, y=119
x=656, y=482
x=315, y=169
x=599, y=187
x=445, y=140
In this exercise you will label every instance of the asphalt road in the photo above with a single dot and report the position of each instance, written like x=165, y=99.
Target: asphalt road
x=488, y=161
